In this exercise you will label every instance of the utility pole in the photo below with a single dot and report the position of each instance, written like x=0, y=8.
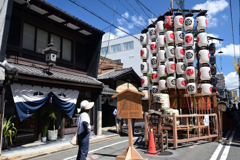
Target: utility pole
x=171, y=2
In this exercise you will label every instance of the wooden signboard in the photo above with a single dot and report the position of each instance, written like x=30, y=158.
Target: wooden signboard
x=222, y=106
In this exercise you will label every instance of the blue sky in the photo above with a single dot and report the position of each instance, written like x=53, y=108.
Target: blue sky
x=219, y=22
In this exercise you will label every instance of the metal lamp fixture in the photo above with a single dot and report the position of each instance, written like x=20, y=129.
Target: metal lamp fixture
x=51, y=55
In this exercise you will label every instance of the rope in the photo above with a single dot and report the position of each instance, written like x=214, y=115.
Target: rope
x=232, y=27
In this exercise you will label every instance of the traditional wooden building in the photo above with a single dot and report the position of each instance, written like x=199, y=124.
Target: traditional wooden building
x=32, y=27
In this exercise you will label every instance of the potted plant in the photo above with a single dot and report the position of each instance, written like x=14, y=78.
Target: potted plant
x=52, y=114
x=45, y=125
x=9, y=132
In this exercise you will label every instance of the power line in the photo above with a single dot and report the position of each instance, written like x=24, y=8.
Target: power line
x=135, y=10
x=119, y=14
x=106, y=28
x=232, y=27
x=142, y=9
x=146, y=8
x=83, y=7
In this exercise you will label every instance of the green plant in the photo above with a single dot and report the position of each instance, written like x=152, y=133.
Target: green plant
x=9, y=130
x=45, y=125
x=52, y=111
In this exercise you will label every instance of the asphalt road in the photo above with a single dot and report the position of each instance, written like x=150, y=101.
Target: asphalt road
x=198, y=150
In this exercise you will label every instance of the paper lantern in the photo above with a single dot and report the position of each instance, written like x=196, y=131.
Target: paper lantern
x=201, y=23
x=205, y=73
x=181, y=83
x=191, y=88
x=144, y=67
x=171, y=82
x=170, y=52
x=212, y=60
x=153, y=47
x=145, y=81
x=188, y=23
x=154, y=62
x=189, y=56
x=162, y=84
x=212, y=48
x=170, y=37
x=161, y=55
x=161, y=41
x=171, y=67
x=213, y=80
x=202, y=39
x=179, y=38
x=168, y=22
x=204, y=56
x=144, y=53
x=144, y=39
x=188, y=40
x=206, y=89
x=190, y=72
x=180, y=52
x=162, y=71
x=213, y=70
x=154, y=77
x=181, y=68
x=147, y=95
x=160, y=25
x=178, y=21
x=152, y=32
x=155, y=89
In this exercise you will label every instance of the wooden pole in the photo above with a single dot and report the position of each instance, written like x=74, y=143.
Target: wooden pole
x=175, y=145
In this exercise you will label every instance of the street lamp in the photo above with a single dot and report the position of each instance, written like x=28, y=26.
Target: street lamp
x=51, y=55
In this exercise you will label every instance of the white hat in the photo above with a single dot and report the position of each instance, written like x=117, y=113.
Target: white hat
x=86, y=105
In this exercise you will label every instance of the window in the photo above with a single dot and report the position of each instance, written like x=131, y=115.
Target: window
x=67, y=49
x=28, y=36
x=128, y=46
x=116, y=48
x=104, y=51
x=57, y=43
x=42, y=41
x=118, y=60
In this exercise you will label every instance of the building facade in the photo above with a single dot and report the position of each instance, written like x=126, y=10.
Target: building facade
x=220, y=81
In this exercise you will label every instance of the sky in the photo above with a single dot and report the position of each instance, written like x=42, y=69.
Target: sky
x=219, y=22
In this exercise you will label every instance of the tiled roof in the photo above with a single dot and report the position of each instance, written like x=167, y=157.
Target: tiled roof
x=34, y=71
x=107, y=90
x=114, y=73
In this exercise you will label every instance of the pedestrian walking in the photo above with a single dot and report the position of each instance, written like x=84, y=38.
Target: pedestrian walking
x=118, y=121
x=84, y=129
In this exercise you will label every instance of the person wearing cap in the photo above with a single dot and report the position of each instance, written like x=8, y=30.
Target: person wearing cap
x=84, y=129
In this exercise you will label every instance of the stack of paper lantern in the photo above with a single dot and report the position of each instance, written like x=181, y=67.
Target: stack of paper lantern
x=204, y=55
x=154, y=60
x=180, y=51
x=189, y=54
x=144, y=53
x=212, y=50
x=161, y=55
x=170, y=51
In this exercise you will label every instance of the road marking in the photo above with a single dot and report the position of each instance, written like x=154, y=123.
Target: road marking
x=69, y=158
x=227, y=148
x=218, y=150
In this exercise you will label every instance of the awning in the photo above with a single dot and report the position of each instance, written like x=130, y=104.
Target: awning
x=28, y=99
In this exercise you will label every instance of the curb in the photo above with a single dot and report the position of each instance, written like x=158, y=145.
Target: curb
x=64, y=147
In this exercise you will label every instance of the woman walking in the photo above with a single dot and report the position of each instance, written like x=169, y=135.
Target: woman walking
x=84, y=129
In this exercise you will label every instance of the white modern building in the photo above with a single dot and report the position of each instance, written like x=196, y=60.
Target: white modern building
x=124, y=49
x=221, y=80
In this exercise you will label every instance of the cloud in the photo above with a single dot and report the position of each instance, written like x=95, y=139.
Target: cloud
x=231, y=80
x=224, y=17
x=229, y=50
x=120, y=33
x=217, y=44
x=121, y=20
x=138, y=20
x=213, y=8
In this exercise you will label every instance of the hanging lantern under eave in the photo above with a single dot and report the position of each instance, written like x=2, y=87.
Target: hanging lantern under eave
x=212, y=60
x=145, y=81
x=178, y=21
x=191, y=88
x=190, y=72
x=201, y=22
x=180, y=52
x=171, y=82
x=144, y=67
x=181, y=68
x=188, y=23
x=51, y=55
x=160, y=25
x=188, y=40
x=205, y=73
x=144, y=38
x=152, y=32
x=144, y=53
x=147, y=95
x=170, y=52
x=189, y=56
x=179, y=38
x=162, y=71
x=153, y=47
x=204, y=56
x=154, y=77
x=206, y=89
x=202, y=39
x=170, y=37
x=171, y=67
x=181, y=83
x=162, y=84
x=161, y=56
x=161, y=41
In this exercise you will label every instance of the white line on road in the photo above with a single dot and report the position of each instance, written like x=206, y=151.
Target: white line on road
x=100, y=148
x=227, y=148
x=218, y=150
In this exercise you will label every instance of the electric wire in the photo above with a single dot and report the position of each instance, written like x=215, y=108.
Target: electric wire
x=142, y=9
x=135, y=10
x=119, y=14
x=106, y=28
x=88, y=10
x=146, y=8
x=232, y=28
